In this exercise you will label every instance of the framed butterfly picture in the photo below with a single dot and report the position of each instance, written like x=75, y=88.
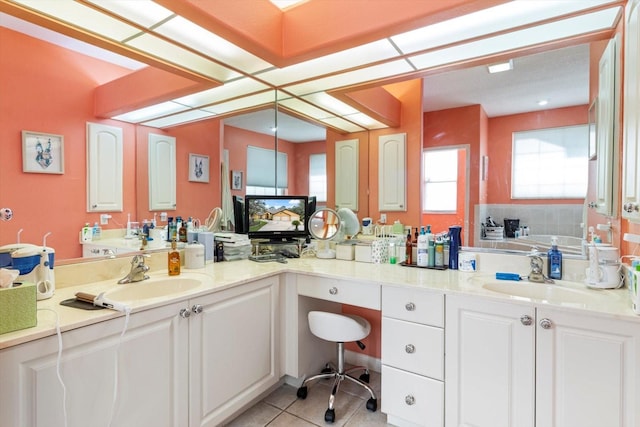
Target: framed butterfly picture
x=42, y=152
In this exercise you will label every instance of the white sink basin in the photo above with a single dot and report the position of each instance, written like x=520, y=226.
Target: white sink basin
x=153, y=288
x=541, y=291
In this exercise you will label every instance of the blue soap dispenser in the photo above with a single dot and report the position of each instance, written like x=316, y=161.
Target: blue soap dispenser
x=554, y=260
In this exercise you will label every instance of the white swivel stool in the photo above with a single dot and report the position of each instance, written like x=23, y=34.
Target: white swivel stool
x=339, y=328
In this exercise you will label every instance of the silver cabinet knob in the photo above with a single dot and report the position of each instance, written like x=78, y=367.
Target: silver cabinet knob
x=630, y=207
x=410, y=348
x=196, y=309
x=409, y=400
x=546, y=323
x=333, y=291
x=526, y=320
x=185, y=313
x=410, y=306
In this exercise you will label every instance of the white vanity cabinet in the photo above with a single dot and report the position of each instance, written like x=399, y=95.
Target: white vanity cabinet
x=392, y=172
x=192, y=363
x=631, y=120
x=413, y=356
x=585, y=365
x=152, y=374
x=104, y=168
x=347, y=154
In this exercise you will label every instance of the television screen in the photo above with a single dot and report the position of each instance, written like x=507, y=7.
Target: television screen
x=276, y=217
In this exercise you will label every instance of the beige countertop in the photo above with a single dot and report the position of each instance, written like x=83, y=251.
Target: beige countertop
x=219, y=276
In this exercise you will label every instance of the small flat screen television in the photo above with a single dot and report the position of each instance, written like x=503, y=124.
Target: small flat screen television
x=277, y=218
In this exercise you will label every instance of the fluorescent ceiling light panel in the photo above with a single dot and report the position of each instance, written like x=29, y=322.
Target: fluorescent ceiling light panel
x=305, y=108
x=342, y=124
x=151, y=112
x=285, y=4
x=242, y=103
x=366, y=121
x=177, y=119
x=528, y=37
x=499, y=18
x=543, y=102
x=375, y=72
x=244, y=86
x=350, y=58
x=500, y=67
x=330, y=103
x=83, y=17
x=181, y=57
x=145, y=13
x=210, y=44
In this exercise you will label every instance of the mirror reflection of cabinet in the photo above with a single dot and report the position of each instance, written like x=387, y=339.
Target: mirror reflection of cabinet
x=631, y=123
x=392, y=172
x=607, y=147
x=162, y=172
x=104, y=168
x=347, y=174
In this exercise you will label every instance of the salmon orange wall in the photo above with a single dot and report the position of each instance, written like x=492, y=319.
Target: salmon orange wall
x=46, y=88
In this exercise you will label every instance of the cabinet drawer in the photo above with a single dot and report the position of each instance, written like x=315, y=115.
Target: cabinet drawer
x=414, y=305
x=413, y=347
x=355, y=293
x=412, y=397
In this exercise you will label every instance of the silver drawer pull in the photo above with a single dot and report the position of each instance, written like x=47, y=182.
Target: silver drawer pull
x=410, y=306
x=333, y=291
x=546, y=323
x=185, y=313
x=410, y=348
x=526, y=320
x=409, y=400
x=196, y=309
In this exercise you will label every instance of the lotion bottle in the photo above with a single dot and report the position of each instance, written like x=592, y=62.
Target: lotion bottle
x=423, y=247
x=174, y=260
x=554, y=260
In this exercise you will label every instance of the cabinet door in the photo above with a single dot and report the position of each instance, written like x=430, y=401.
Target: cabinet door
x=162, y=172
x=233, y=350
x=392, y=173
x=489, y=366
x=587, y=371
x=347, y=174
x=606, y=129
x=631, y=122
x=104, y=168
x=152, y=370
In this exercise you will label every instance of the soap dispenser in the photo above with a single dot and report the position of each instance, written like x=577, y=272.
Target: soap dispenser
x=554, y=260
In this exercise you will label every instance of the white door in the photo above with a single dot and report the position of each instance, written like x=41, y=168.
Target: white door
x=392, y=172
x=587, y=371
x=162, y=172
x=151, y=372
x=234, y=350
x=489, y=366
x=347, y=174
x=104, y=168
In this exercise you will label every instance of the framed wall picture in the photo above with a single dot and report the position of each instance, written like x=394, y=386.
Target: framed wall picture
x=198, y=168
x=236, y=180
x=42, y=152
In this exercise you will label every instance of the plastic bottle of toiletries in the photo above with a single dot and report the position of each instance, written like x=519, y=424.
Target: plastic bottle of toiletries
x=633, y=290
x=96, y=233
x=392, y=253
x=86, y=233
x=409, y=249
x=439, y=250
x=554, y=260
x=173, y=260
x=423, y=248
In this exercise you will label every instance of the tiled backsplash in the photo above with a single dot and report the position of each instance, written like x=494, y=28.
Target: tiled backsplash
x=565, y=220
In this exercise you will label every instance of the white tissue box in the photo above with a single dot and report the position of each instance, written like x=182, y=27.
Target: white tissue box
x=346, y=251
x=363, y=253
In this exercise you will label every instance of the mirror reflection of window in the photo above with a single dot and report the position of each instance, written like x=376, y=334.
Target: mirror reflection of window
x=318, y=176
x=261, y=172
x=551, y=163
x=440, y=180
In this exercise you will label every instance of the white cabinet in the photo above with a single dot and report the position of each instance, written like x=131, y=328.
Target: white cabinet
x=162, y=172
x=631, y=121
x=152, y=374
x=392, y=172
x=607, y=131
x=104, y=168
x=347, y=174
x=517, y=365
x=413, y=357
x=194, y=363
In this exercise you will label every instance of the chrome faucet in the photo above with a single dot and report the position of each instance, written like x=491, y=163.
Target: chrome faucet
x=536, y=275
x=138, y=270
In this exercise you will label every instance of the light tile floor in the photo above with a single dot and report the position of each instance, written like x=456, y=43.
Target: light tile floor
x=282, y=408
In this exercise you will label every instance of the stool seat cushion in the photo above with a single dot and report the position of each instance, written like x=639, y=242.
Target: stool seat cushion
x=338, y=327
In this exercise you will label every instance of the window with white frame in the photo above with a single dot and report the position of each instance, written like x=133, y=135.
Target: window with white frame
x=440, y=172
x=261, y=171
x=550, y=163
x=318, y=176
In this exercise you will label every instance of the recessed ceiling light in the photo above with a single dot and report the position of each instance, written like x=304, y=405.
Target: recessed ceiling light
x=543, y=102
x=500, y=67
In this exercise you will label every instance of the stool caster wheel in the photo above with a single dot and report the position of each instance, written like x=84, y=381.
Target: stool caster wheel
x=330, y=416
x=302, y=392
x=372, y=404
x=365, y=377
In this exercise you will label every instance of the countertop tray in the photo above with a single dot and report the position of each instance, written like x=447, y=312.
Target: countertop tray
x=404, y=264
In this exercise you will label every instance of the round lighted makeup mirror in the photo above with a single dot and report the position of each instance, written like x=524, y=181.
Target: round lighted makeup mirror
x=324, y=225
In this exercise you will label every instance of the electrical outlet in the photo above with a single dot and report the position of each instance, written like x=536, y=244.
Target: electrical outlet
x=104, y=219
x=163, y=216
x=383, y=218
